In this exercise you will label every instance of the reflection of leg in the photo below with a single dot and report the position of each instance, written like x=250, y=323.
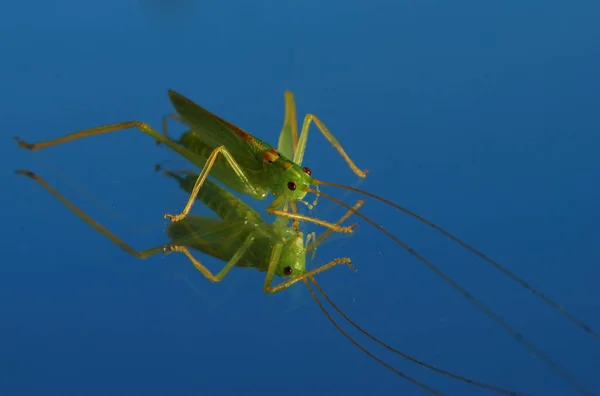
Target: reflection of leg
x=205, y=271
x=210, y=162
x=296, y=216
x=327, y=233
x=312, y=236
x=90, y=221
x=274, y=262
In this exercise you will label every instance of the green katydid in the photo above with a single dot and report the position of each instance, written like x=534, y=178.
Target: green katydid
x=242, y=239
x=290, y=146
x=251, y=166
x=239, y=160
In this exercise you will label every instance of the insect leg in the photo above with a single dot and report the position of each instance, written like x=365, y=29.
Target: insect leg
x=165, y=124
x=271, y=209
x=288, y=138
x=204, y=174
x=205, y=271
x=142, y=126
x=90, y=221
x=299, y=150
x=319, y=240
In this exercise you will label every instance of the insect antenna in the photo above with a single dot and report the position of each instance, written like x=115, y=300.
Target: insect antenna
x=481, y=306
x=579, y=323
x=363, y=349
x=412, y=359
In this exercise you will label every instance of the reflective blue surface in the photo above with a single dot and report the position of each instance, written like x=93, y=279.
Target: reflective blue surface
x=481, y=117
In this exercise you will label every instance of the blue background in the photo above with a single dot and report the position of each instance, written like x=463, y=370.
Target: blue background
x=482, y=116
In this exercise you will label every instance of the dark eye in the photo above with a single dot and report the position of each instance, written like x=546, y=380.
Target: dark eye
x=291, y=185
x=307, y=170
x=287, y=271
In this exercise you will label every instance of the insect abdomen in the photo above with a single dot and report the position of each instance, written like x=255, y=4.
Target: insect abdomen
x=225, y=204
x=192, y=142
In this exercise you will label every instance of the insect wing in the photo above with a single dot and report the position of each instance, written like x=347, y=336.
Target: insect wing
x=215, y=132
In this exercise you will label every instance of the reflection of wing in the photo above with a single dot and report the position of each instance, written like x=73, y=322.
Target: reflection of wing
x=215, y=237
x=289, y=133
x=204, y=229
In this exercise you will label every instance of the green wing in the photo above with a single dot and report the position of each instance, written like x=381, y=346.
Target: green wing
x=215, y=131
x=212, y=236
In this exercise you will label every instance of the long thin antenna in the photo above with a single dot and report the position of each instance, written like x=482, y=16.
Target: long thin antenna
x=482, y=307
x=579, y=323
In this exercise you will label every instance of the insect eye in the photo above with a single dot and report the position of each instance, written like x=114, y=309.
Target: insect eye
x=291, y=185
x=307, y=170
x=287, y=271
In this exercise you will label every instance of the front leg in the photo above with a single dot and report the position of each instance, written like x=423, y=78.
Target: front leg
x=274, y=262
x=142, y=254
x=272, y=209
x=301, y=146
x=321, y=238
x=256, y=192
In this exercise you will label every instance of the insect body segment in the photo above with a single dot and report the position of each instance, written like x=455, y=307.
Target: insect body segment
x=273, y=248
x=220, y=201
x=249, y=165
x=251, y=242
x=241, y=237
x=237, y=159
x=229, y=208
x=271, y=171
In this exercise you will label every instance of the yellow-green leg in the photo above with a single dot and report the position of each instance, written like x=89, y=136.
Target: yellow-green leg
x=120, y=126
x=289, y=136
x=274, y=261
x=319, y=240
x=90, y=221
x=210, y=162
x=271, y=209
x=165, y=124
x=205, y=271
x=299, y=153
